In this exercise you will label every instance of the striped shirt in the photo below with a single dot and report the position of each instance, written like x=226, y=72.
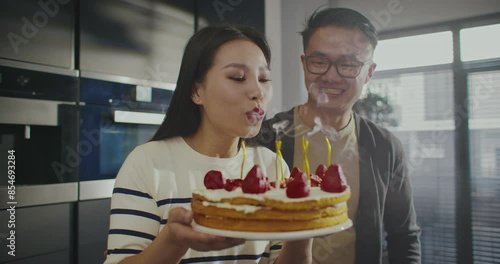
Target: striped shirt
x=161, y=175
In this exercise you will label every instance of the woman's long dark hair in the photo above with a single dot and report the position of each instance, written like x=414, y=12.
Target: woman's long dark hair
x=183, y=116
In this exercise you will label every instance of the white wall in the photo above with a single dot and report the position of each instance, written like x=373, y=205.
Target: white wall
x=293, y=18
x=290, y=17
x=273, y=34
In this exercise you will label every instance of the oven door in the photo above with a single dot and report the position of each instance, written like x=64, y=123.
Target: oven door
x=115, y=117
x=43, y=135
x=107, y=136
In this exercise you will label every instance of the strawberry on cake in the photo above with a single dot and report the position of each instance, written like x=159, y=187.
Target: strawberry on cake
x=255, y=204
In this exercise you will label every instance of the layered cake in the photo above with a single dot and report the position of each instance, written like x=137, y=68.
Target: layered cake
x=301, y=202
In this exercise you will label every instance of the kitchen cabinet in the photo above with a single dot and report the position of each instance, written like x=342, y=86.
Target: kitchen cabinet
x=50, y=258
x=39, y=32
x=242, y=12
x=93, y=226
x=42, y=234
x=143, y=40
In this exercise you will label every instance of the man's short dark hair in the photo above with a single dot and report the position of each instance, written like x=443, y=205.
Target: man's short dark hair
x=341, y=17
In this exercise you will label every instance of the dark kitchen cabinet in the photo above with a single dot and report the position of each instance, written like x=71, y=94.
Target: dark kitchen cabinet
x=50, y=258
x=141, y=39
x=43, y=234
x=39, y=32
x=241, y=12
x=93, y=226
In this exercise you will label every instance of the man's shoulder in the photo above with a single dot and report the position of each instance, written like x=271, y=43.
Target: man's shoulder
x=376, y=128
x=285, y=115
x=283, y=122
x=371, y=133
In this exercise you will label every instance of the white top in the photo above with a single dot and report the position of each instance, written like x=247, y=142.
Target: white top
x=161, y=175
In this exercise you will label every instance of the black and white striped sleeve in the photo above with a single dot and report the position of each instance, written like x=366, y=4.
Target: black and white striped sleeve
x=134, y=217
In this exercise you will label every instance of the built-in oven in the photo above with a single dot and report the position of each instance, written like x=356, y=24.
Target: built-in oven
x=114, y=118
x=38, y=130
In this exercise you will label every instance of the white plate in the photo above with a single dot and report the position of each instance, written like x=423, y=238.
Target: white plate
x=294, y=235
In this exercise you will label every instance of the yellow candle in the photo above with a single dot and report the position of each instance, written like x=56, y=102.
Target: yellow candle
x=305, y=147
x=329, y=147
x=279, y=162
x=244, y=157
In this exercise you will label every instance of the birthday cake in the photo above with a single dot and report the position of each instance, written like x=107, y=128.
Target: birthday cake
x=299, y=202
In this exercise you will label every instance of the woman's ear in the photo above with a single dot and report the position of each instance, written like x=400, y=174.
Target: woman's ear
x=195, y=96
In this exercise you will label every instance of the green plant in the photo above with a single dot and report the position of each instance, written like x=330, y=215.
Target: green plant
x=376, y=108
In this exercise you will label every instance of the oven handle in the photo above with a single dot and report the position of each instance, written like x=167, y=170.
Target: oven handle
x=138, y=117
x=31, y=195
x=21, y=111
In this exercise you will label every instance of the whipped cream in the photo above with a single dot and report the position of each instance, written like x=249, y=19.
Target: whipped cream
x=247, y=209
x=242, y=208
x=274, y=194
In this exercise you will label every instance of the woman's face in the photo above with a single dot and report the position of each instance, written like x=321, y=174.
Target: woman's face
x=234, y=95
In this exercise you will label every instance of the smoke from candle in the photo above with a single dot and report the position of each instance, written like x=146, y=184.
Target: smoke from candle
x=282, y=127
x=328, y=131
x=318, y=93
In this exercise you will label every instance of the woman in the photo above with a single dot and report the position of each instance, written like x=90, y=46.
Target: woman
x=221, y=96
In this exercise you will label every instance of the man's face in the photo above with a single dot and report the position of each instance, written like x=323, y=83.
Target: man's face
x=348, y=48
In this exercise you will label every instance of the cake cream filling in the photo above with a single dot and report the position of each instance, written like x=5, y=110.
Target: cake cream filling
x=274, y=194
x=247, y=209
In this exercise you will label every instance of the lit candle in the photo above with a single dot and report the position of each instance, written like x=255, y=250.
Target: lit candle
x=279, y=161
x=305, y=147
x=329, y=147
x=244, y=157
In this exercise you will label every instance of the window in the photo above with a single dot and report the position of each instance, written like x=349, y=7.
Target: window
x=414, y=51
x=429, y=145
x=484, y=97
x=484, y=91
x=480, y=43
x=497, y=158
x=420, y=100
x=414, y=86
x=438, y=95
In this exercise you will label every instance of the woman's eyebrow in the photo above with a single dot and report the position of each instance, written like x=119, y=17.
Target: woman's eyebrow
x=236, y=65
x=244, y=66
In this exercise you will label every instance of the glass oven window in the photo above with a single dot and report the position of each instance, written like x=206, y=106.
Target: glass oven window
x=37, y=149
x=117, y=142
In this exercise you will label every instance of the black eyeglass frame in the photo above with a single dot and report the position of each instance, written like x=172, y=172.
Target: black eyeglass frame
x=330, y=63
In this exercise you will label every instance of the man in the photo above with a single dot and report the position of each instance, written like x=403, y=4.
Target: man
x=339, y=45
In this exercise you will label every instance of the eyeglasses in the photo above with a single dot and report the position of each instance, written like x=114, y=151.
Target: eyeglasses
x=345, y=68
